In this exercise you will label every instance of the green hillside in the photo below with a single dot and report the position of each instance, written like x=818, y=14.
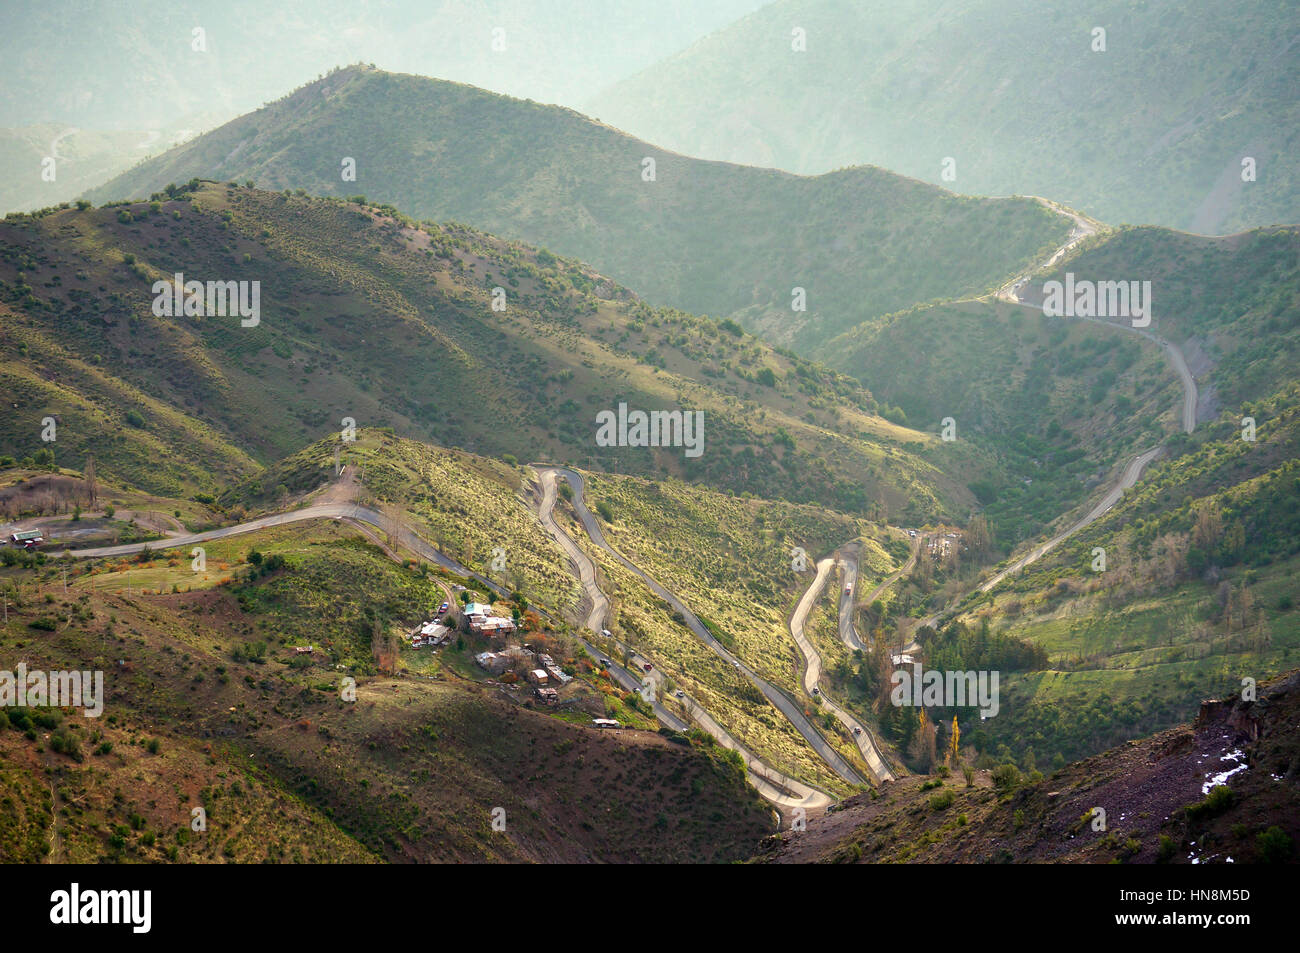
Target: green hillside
x=369, y=316
x=706, y=237
x=209, y=706
x=1152, y=130
x=1195, y=591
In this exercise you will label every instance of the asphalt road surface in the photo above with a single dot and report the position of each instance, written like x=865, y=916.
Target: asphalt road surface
x=792, y=710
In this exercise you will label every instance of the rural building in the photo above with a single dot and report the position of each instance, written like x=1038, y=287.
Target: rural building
x=492, y=663
x=553, y=670
x=537, y=676
x=494, y=625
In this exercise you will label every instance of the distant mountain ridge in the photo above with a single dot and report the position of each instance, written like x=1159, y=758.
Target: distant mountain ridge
x=1147, y=122
x=707, y=237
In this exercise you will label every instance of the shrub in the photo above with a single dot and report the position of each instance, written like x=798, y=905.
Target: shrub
x=1274, y=845
x=63, y=742
x=1166, y=849
x=941, y=801
x=1216, y=802
x=1006, y=777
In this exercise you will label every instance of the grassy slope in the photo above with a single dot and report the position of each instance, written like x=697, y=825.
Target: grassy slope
x=729, y=560
x=1043, y=408
x=370, y=318
x=700, y=237
x=411, y=771
x=723, y=554
x=1136, y=647
x=1166, y=623
x=1152, y=130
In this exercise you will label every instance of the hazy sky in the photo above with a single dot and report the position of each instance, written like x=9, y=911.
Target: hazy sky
x=138, y=63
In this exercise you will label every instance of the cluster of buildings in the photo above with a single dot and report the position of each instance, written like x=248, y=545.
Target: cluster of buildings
x=541, y=671
x=482, y=621
x=480, y=618
x=941, y=546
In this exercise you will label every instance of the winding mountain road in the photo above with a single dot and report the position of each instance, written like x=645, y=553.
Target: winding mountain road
x=1083, y=227
x=596, y=600
x=320, y=511
x=782, y=702
x=779, y=789
x=848, y=631
x=813, y=670
x=773, y=786
x=1131, y=473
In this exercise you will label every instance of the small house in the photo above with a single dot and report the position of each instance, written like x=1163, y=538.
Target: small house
x=553, y=670
x=537, y=676
x=492, y=663
x=495, y=625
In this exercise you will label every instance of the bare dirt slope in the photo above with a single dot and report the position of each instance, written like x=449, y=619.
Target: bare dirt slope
x=1153, y=792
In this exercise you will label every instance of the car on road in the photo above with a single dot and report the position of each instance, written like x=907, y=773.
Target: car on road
x=911, y=532
x=848, y=590
x=648, y=667
x=735, y=664
x=816, y=690
x=679, y=693
x=442, y=608
x=604, y=663
x=857, y=730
